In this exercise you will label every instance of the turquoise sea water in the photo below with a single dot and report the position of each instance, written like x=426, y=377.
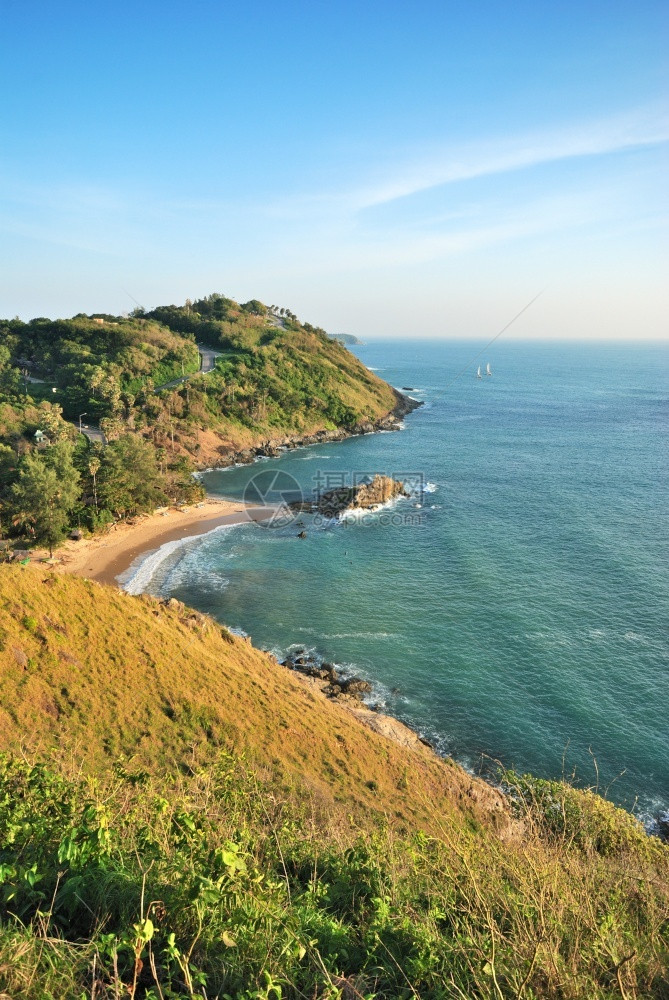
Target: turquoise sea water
x=520, y=613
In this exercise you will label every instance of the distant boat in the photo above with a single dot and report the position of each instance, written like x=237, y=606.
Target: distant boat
x=487, y=369
x=478, y=373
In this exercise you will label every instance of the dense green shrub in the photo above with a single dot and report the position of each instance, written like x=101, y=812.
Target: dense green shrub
x=207, y=886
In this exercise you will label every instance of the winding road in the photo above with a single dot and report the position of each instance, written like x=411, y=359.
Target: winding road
x=207, y=364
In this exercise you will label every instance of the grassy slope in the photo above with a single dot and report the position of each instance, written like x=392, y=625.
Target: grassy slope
x=114, y=676
x=183, y=748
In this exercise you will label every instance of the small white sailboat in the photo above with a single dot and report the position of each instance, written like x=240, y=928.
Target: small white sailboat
x=487, y=369
x=478, y=372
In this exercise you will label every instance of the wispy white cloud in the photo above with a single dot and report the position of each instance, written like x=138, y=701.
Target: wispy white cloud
x=649, y=127
x=463, y=161
x=339, y=250
x=82, y=215
x=340, y=230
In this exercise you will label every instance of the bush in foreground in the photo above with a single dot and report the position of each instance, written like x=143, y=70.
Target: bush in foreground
x=206, y=885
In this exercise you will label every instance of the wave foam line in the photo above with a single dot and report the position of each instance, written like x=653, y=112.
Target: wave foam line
x=138, y=577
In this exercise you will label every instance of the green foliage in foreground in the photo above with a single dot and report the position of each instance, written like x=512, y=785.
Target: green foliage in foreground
x=210, y=887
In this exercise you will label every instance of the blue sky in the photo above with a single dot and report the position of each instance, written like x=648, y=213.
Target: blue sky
x=383, y=169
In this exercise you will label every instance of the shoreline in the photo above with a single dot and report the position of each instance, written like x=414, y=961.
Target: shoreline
x=112, y=554
x=104, y=558
x=275, y=447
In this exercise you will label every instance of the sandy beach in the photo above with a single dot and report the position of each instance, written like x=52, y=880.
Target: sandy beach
x=104, y=557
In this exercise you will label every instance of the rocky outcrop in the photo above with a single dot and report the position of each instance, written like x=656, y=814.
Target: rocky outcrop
x=327, y=679
x=379, y=491
x=365, y=496
x=404, y=404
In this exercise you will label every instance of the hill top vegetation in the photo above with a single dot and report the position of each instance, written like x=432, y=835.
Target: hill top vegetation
x=138, y=378
x=275, y=374
x=180, y=817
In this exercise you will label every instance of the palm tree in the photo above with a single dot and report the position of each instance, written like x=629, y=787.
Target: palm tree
x=93, y=468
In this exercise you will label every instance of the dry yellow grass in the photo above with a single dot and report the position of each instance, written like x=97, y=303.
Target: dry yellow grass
x=570, y=900
x=87, y=670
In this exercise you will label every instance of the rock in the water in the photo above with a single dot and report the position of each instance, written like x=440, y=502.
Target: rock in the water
x=367, y=496
x=302, y=534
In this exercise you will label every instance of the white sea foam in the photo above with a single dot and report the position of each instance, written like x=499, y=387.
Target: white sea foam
x=649, y=811
x=350, y=635
x=635, y=637
x=358, y=513
x=139, y=577
x=199, y=473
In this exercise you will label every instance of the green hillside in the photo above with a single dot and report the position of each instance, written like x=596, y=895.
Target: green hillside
x=270, y=379
x=275, y=376
x=181, y=817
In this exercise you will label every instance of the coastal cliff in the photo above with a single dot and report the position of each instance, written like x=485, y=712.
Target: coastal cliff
x=204, y=381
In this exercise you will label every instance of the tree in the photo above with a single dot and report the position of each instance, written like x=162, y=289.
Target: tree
x=129, y=480
x=8, y=472
x=45, y=492
x=52, y=423
x=94, y=468
x=255, y=307
x=9, y=376
x=111, y=427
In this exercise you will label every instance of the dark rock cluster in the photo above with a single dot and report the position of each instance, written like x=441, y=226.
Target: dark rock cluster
x=331, y=682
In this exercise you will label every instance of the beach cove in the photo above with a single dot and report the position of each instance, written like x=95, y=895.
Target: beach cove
x=107, y=556
x=516, y=614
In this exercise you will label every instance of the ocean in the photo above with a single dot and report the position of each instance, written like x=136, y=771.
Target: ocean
x=514, y=609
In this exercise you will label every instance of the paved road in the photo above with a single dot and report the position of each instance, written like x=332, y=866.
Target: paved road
x=92, y=432
x=208, y=358
x=207, y=365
